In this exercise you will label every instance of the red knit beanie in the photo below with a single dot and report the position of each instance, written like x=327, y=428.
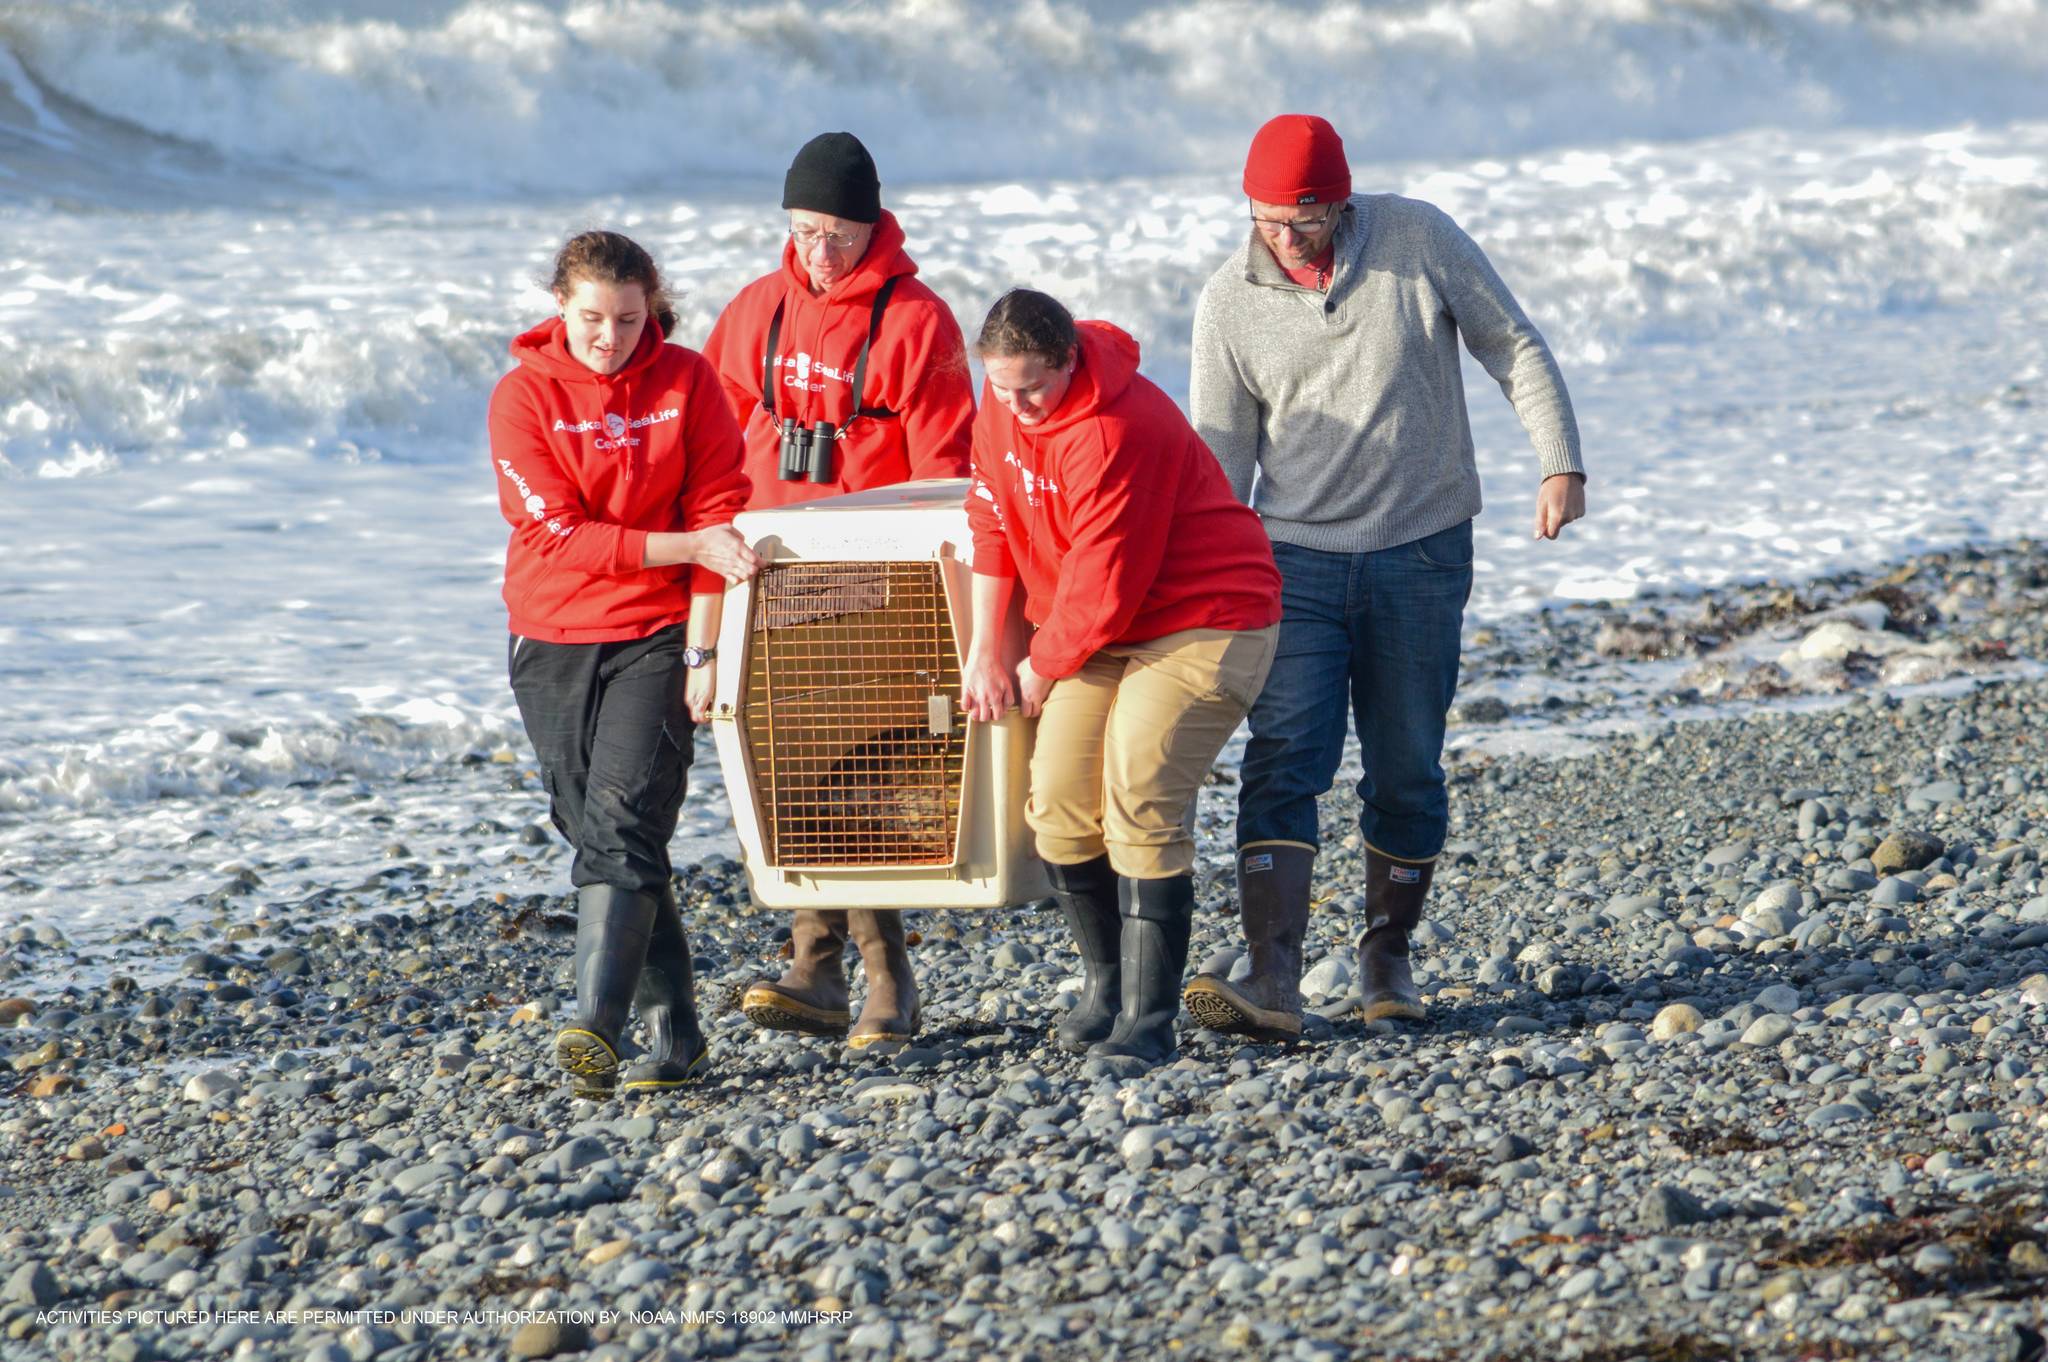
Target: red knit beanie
x=1297, y=158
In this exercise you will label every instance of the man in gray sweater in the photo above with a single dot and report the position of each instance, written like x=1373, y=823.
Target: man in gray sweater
x=1327, y=380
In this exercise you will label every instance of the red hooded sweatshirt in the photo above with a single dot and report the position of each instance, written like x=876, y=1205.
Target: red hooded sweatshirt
x=589, y=465
x=1115, y=514
x=917, y=371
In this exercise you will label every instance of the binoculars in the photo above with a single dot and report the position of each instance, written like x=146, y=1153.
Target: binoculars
x=806, y=451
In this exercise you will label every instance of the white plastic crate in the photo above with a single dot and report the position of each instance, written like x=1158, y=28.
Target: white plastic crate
x=856, y=781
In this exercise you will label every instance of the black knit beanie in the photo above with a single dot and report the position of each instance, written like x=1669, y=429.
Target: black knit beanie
x=834, y=174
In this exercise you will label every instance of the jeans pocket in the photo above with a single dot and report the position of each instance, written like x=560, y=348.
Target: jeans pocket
x=1449, y=549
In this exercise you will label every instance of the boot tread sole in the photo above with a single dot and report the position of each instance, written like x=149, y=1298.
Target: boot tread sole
x=592, y=1061
x=1216, y=1006
x=1392, y=1009
x=775, y=1010
x=696, y=1069
x=867, y=1038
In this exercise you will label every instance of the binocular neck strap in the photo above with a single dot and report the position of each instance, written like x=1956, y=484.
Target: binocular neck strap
x=860, y=366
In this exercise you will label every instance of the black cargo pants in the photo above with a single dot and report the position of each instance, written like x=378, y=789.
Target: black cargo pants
x=613, y=734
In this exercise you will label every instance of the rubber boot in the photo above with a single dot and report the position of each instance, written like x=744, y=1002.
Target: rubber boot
x=612, y=928
x=811, y=994
x=1394, y=891
x=1272, y=903
x=889, y=1011
x=1090, y=896
x=667, y=1003
x=1153, y=952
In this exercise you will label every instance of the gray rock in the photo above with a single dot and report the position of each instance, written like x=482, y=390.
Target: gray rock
x=211, y=1085
x=577, y=1155
x=796, y=1143
x=1015, y=955
x=1783, y=896
x=1773, y=920
x=1729, y=854
x=423, y=1175
x=1933, y=795
x=1140, y=1141
x=1780, y=998
x=549, y=1338
x=34, y=1284
x=1665, y=1207
x=1768, y=1030
x=1330, y=978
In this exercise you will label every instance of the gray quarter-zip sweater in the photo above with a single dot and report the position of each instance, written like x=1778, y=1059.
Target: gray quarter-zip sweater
x=1350, y=405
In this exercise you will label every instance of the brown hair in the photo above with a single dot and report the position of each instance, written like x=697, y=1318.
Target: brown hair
x=1027, y=322
x=609, y=258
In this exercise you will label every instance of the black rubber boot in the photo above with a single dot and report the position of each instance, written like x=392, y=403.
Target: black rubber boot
x=667, y=1002
x=612, y=928
x=1394, y=891
x=1089, y=896
x=1272, y=894
x=1153, y=953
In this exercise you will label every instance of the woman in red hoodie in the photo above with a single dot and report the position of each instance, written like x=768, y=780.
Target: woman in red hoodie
x=618, y=466
x=1157, y=608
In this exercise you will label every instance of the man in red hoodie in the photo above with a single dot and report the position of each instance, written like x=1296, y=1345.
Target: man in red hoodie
x=843, y=333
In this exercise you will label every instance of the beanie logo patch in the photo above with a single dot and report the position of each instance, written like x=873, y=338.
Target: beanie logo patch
x=1304, y=198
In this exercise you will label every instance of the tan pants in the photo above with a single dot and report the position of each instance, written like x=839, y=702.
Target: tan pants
x=1124, y=744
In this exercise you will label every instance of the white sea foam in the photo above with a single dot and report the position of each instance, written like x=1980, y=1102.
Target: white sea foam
x=596, y=96
x=257, y=544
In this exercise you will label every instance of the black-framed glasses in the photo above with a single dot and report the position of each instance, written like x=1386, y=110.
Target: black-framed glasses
x=807, y=237
x=1302, y=227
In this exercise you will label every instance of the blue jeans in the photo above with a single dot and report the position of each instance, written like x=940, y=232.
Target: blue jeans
x=1384, y=628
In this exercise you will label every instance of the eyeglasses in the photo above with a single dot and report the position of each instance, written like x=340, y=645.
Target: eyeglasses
x=807, y=237
x=1302, y=227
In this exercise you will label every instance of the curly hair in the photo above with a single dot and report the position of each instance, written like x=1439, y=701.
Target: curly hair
x=610, y=258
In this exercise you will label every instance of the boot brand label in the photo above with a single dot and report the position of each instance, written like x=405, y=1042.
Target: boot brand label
x=1254, y=864
x=1404, y=874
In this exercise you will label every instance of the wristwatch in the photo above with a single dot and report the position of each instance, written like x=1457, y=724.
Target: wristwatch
x=695, y=657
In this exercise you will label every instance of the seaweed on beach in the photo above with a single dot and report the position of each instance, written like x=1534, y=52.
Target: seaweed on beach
x=528, y=918
x=1726, y=1140
x=498, y=1282
x=1657, y=1346
x=1451, y=1175
x=1999, y=1252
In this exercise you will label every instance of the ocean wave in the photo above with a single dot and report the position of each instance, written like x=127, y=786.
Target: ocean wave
x=179, y=755
x=378, y=336
x=624, y=96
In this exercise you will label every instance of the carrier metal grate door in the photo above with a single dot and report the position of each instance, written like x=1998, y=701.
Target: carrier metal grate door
x=851, y=676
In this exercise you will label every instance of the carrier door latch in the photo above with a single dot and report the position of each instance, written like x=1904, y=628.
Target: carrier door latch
x=939, y=715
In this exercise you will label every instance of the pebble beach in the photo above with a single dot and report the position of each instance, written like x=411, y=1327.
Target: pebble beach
x=1738, y=995
x=1737, y=963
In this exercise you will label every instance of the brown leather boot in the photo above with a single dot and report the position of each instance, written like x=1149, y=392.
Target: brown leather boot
x=1394, y=891
x=889, y=1011
x=811, y=994
x=1272, y=897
